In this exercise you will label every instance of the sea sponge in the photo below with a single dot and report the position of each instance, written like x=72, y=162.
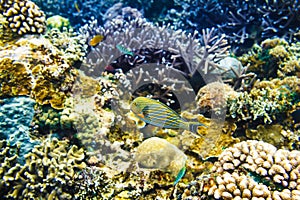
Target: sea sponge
x=23, y=16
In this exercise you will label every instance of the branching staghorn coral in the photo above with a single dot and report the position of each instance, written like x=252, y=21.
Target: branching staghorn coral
x=152, y=44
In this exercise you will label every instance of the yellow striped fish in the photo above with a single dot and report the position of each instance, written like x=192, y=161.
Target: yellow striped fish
x=158, y=114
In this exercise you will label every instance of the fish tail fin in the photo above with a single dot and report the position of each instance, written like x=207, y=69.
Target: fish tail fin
x=193, y=127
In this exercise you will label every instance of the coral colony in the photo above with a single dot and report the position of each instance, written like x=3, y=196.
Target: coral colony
x=71, y=71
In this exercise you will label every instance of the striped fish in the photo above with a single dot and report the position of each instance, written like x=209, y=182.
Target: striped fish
x=158, y=114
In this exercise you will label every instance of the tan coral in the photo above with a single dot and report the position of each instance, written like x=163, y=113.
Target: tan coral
x=15, y=78
x=157, y=153
x=271, y=179
x=213, y=96
x=53, y=164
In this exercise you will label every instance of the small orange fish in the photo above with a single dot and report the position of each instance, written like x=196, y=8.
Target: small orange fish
x=76, y=7
x=96, y=39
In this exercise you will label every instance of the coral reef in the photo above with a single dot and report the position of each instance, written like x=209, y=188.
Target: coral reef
x=71, y=44
x=16, y=116
x=78, y=12
x=273, y=58
x=48, y=172
x=155, y=46
x=23, y=16
x=243, y=23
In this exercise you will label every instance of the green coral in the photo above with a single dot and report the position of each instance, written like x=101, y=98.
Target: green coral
x=273, y=58
x=266, y=101
x=57, y=22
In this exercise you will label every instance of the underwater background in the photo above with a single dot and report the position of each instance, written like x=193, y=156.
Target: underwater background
x=221, y=117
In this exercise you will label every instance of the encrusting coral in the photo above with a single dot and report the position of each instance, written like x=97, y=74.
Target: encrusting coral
x=23, y=16
x=32, y=66
x=16, y=114
x=48, y=172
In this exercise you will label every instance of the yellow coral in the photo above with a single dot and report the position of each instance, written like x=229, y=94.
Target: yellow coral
x=14, y=77
x=34, y=67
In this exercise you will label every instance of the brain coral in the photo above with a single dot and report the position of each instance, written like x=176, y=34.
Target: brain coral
x=47, y=174
x=23, y=16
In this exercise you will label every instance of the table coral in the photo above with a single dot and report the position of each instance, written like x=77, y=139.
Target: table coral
x=48, y=172
x=23, y=16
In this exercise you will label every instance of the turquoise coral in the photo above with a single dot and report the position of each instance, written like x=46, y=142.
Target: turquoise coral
x=15, y=119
